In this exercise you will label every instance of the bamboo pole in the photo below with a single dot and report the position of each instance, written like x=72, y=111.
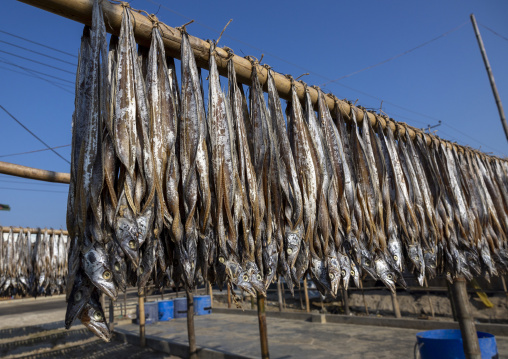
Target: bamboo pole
x=35, y=230
x=33, y=173
x=191, y=333
x=279, y=294
x=466, y=322
x=81, y=11
x=229, y=296
x=263, y=333
x=305, y=288
x=491, y=76
x=111, y=315
x=141, y=310
x=364, y=300
x=345, y=301
x=395, y=303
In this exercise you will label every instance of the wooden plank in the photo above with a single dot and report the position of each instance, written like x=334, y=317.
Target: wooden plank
x=33, y=173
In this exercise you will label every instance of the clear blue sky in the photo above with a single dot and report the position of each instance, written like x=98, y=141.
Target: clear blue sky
x=445, y=80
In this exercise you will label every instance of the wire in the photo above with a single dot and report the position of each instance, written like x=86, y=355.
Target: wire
x=33, y=190
x=34, y=71
x=399, y=55
x=38, y=43
x=40, y=78
x=495, y=33
x=37, y=62
x=25, y=153
x=38, y=53
x=30, y=183
x=33, y=134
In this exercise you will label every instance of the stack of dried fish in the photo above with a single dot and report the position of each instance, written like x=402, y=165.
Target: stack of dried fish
x=32, y=264
x=167, y=189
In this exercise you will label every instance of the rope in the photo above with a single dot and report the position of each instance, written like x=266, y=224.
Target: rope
x=229, y=22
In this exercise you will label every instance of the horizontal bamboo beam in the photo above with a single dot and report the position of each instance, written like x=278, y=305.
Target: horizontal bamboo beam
x=33, y=173
x=81, y=11
x=35, y=230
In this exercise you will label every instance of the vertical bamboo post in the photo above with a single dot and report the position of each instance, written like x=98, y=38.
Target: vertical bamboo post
x=345, y=300
x=364, y=300
x=300, y=295
x=279, y=293
x=141, y=310
x=210, y=289
x=111, y=315
x=395, y=302
x=263, y=334
x=191, y=333
x=125, y=303
x=466, y=322
x=452, y=302
x=504, y=285
x=430, y=300
x=491, y=76
x=252, y=300
x=229, y=296
x=162, y=293
x=305, y=289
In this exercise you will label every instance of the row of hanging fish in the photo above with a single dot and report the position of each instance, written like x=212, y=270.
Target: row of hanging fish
x=32, y=264
x=238, y=192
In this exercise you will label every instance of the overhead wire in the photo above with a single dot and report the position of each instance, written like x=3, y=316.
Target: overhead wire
x=34, y=151
x=494, y=32
x=30, y=183
x=33, y=190
x=37, y=62
x=34, y=135
x=38, y=43
x=38, y=53
x=34, y=71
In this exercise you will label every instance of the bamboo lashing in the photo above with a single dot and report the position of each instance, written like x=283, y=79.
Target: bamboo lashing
x=81, y=11
x=33, y=173
x=36, y=230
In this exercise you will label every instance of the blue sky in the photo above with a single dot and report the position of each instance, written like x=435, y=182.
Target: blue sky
x=444, y=80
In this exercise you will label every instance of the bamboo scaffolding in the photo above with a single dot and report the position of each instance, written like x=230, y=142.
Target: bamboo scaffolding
x=81, y=11
x=33, y=173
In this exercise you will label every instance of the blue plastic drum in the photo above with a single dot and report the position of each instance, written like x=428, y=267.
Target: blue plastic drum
x=166, y=310
x=202, y=305
x=447, y=344
x=180, y=305
x=151, y=313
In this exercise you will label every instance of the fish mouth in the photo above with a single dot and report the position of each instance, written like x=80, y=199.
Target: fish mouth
x=100, y=329
x=389, y=283
x=108, y=288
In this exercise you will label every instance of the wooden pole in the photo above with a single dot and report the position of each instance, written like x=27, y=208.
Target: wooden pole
x=305, y=289
x=229, y=296
x=504, y=285
x=279, y=293
x=141, y=310
x=263, y=334
x=191, y=333
x=81, y=11
x=364, y=300
x=430, y=300
x=452, y=302
x=33, y=173
x=210, y=288
x=300, y=295
x=125, y=303
x=395, y=303
x=111, y=315
x=466, y=322
x=345, y=300
x=35, y=230
x=491, y=76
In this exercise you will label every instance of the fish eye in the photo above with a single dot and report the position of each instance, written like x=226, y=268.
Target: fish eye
x=352, y=272
x=117, y=266
x=78, y=296
x=367, y=263
x=106, y=275
x=221, y=259
x=290, y=251
x=132, y=244
x=389, y=276
x=97, y=315
x=245, y=277
x=269, y=270
x=343, y=273
x=331, y=275
x=396, y=257
x=258, y=277
x=141, y=270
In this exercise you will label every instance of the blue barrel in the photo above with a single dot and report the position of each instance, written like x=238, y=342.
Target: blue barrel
x=202, y=305
x=180, y=305
x=151, y=313
x=447, y=344
x=166, y=310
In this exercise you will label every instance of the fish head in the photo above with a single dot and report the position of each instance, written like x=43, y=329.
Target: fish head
x=256, y=279
x=144, y=222
x=126, y=233
x=93, y=318
x=293, y=242
x=345, y=269
x=368, y=264
x=395, y=250
x=355, y=273
x=319, y=274
x=429, y=256
x=270, y=260
x=239, y=276
x=412, y=251
x=79, y=297
x=334, y=272
x=187, y=264
x=384, y=272
x=96, y=266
